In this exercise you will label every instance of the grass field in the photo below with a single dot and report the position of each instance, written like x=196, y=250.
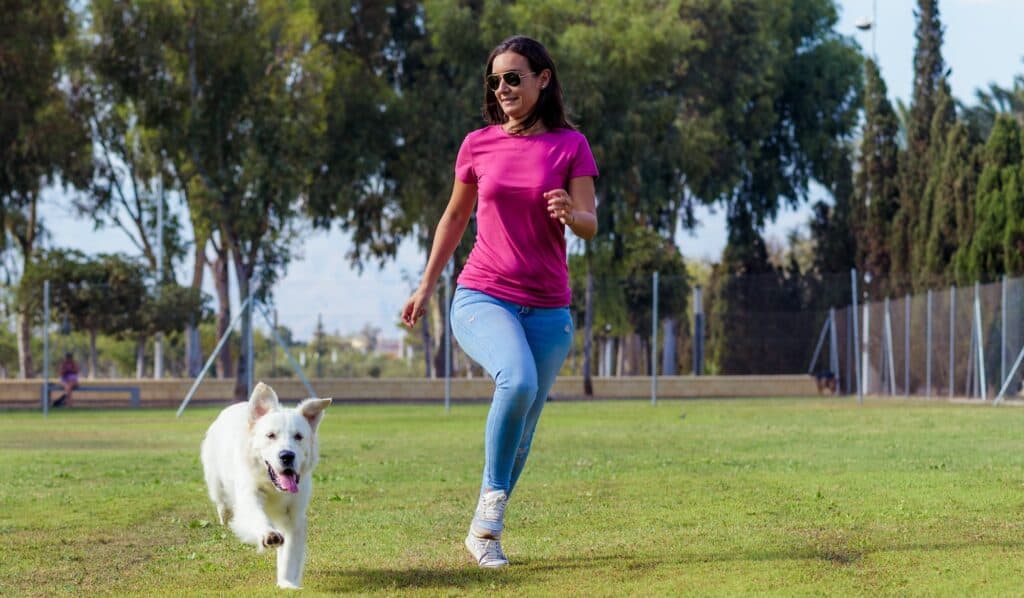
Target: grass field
x=698, y=497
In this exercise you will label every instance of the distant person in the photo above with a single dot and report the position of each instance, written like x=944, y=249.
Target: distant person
x=529, y=174
x=68, y=379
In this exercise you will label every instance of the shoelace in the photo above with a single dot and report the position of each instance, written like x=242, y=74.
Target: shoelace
x=493, y=507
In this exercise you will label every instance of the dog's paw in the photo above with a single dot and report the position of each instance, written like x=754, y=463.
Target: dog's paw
x=272, y=539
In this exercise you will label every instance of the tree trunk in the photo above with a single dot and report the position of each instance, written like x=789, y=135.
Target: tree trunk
x=26, y=240
x=26, y=368
x=588, y=330
x=219, y=272
x=140, y=356
x=193, y=346
x=94, y=363
x=243, y=272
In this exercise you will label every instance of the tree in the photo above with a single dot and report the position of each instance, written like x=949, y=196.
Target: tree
x=991, y=103
x=951, y=225
x=43, y=137
x=876, y=188
x=919, y=155
x=998, y=238
x=101, y=294
x=249, y=83
x=164, y=308
x=934, y=192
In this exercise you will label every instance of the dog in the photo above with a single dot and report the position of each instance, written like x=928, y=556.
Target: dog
x=826, y=382
x=258, y=460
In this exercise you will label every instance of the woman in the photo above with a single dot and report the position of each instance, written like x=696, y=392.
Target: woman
x=529, y=174
x=68, y=379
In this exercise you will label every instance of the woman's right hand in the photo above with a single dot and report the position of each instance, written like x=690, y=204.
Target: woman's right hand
x=415, y=306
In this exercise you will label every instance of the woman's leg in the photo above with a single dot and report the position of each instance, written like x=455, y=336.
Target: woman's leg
x=549, y=333
x=491, y=332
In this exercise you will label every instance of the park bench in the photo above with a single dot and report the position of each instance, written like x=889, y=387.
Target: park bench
x=133, y=391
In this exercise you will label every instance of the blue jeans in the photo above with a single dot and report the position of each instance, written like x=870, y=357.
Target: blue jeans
x=522, y=348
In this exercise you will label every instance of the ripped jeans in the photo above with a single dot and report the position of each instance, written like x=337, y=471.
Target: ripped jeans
x=522, y=348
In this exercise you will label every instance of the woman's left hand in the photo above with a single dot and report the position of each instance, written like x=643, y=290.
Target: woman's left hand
x=560, y=206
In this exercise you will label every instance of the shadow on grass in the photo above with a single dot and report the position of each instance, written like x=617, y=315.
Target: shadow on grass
x=464, y=577
x=469, y=577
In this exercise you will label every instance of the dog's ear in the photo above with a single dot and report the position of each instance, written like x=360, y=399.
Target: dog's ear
x=313, y=410
x=263, y=401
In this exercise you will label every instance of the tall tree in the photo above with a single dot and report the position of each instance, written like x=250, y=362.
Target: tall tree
x=943, y=120
x=877, y=180
x=248, y=81
x=918, y=156
x=951, y=224
x=44, y=138
x=998, y=238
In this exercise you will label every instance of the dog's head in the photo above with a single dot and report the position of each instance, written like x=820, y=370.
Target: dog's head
x=284, y=440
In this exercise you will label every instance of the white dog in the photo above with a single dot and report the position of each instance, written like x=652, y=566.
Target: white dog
x=258, y=460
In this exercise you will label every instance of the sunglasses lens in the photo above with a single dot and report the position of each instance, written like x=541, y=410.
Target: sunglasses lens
x=511, y=78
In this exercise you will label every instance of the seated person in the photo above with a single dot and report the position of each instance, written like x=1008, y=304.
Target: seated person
x=826, y=381
x=68, y=379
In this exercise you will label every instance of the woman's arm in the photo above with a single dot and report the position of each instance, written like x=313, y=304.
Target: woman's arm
x=446, y=238
x=575, y=208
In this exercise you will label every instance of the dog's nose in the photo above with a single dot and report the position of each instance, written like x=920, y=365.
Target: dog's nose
x=286, y=457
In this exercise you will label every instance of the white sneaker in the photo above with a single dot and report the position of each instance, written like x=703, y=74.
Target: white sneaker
x=489, y=519
x=488, y=553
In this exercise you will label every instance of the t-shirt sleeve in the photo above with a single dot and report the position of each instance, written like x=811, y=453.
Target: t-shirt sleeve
x=583, y=163
x=464, y=170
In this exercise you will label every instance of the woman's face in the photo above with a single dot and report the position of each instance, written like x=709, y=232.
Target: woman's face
x=517, y=102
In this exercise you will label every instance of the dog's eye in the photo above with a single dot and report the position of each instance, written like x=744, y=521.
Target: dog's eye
x=298, y=437
x=271, y=435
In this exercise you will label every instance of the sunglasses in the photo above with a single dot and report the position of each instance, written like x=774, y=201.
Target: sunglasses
x=512, y=78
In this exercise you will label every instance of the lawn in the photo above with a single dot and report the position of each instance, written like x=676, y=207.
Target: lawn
x=697, y=497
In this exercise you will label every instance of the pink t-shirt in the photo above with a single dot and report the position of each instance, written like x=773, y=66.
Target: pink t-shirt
x=519, y=253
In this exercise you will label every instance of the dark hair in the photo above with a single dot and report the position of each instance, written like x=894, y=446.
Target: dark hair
x=549, y=108
x=67, y=356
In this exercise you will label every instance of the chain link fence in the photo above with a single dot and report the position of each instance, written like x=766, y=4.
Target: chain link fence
x=945, y=342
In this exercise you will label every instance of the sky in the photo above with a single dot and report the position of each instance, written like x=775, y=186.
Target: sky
x=983, y=45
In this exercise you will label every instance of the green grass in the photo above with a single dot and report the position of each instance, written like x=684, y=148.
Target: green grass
x=702, y=497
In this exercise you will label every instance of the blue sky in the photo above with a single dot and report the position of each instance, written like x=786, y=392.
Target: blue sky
x=983, y=44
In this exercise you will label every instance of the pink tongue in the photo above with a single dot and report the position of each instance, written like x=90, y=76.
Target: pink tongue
x=289, y=482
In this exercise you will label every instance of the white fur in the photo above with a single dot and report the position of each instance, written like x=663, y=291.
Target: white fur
x=240, y=444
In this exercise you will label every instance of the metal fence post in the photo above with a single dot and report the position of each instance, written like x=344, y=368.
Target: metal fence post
x=889, y=349
x=833, y=349
x=982, y=383
x=654, y=343
x=1002, y=330
x=952, y=338
x=698, y=331
x=249, y=345
x=928, y=346
x=46, y=348
x=856, y=337
x=865, y=350
x=448, y=269
x=906, y=345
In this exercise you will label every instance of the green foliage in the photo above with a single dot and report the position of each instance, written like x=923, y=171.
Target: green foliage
x=931, y=115
x=951, y=226
x=998, y=238
x=42, y=132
